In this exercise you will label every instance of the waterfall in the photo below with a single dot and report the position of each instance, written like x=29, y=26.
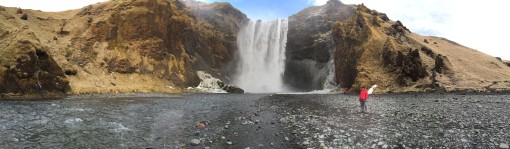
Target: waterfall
x=262, y=56
x=330, y=81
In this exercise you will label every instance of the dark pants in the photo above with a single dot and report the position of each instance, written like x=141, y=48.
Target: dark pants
x=363, y=105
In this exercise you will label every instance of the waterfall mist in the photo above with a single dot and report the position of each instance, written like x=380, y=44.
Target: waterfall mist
x=262, y=56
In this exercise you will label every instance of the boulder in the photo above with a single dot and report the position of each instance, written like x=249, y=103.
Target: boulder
x=506, y=62
x=233, y=89
x=71, y=72
x=24, y=16
x=29, y=71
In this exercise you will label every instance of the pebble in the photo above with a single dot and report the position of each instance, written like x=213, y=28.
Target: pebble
x=229, y=143
x=380, y=143
x=503, y=145
x=286, y=139
x=385, y=146
x=223, y=137
x=195, y=142
x=305, y=143
x=463, y=140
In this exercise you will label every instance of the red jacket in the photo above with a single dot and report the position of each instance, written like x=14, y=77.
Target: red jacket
x=363, y=95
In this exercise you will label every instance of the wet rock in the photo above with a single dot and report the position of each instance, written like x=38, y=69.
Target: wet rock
x=305, y=143
x=195, y=142
x=385, y=146
x=503, y=145
x=200, y=125
x=321, y=136
x=233, y=89
x=463, y=140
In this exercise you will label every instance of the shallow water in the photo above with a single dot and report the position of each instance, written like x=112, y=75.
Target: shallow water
x=257, y=121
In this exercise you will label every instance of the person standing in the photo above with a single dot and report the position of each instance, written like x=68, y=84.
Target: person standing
x=363, y=98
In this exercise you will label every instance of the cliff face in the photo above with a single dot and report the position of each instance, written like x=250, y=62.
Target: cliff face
x=309, y=44
x=27, y=69
x=119, y=46
x=371, y=49
x=368, y=48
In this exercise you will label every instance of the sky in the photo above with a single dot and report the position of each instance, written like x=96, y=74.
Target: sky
x=481, y=25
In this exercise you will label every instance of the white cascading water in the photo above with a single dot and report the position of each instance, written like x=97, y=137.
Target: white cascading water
x=262, y=56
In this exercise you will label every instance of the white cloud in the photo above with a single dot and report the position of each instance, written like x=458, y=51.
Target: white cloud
x=206, y=1
x=317, y=2
x=479, y=25
x=53, y=5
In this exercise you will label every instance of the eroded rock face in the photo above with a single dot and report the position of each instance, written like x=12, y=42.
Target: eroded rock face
x=163, y=42
x=309, y=44
x=29, y=71
x=227, y=21
x=176, y=42
x=349, y=37
x=368, y=36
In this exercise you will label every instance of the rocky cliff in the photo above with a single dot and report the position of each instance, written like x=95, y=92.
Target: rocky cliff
x=309, y=44
x=116, y=46
x=371, y=49
x=368, y=48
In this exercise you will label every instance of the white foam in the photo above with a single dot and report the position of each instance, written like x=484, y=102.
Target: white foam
x=73, y=121
x=118, y=127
